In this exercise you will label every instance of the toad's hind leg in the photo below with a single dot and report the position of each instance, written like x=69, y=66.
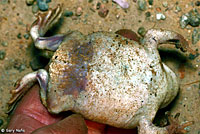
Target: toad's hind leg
x=43, y=23
x=154, y=37
x=26, y=82
x=147, y=127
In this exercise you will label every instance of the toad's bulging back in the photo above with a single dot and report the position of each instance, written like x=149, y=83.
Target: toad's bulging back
x=105, y=74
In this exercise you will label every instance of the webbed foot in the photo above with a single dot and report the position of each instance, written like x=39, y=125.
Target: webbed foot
x=154, y=37
x=25, y=83
x=43, y=23
x=175, y=127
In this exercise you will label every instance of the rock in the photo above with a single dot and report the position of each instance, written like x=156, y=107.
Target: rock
x=2, y=54
x=141, y=31
x=184, y=20
x=26, y=36
x=68, y=13
x=42, y=4
x=178, y=8
x=35, y=8
x=197, y=3
x=1, y=122
x=98, y=5
x=122, y=3
x=165, y=4
x=192, y=56
x=30, y=2
x=79, y=11
x=4, y=43
x=195, y=35
x=19, y=66
x=103, y=11
x=3, y=2
x=147, y=14
x=141, y=5
x=19, y=35
x=150, y=2
x=160, y=16
x=192, y=18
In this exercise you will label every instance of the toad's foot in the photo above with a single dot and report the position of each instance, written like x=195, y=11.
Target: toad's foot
x=43, y=23
x=25, y=83
x=154, y=37
x=175, y=127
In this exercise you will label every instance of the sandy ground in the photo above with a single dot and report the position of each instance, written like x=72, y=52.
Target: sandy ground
x=16, y=17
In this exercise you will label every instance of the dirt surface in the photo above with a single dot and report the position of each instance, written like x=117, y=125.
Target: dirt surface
x=16, y=17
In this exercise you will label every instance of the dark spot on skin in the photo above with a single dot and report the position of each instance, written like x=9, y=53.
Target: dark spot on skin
x=56, y=57
x=81, y=56
x=154, y=39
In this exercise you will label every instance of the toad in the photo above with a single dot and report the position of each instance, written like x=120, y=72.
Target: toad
x=104, y=76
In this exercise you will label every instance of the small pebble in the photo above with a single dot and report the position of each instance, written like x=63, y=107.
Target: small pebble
x=150, y=2
x=141, y=31
x=122, y=3
x=26, y=36
x=141, y=5
x=195, y=35
x=1, y=122
x=160, y=16
x=79, y=11
x=3, y=2
x=147, y=14
x=197, y=3
x=104, y=1
x=35, y=8
x=19, y=36
x=3, y=43
x=158, y=9
x=117, y=16
x=42, y=4
x=178, y=8
x=2, y=54
x=184, y=20
x=20, y=67
x=103, y=11
x=30, y=2
x=194, y=18
x=165, y=4
x=98, y=5
x=68, y=13
x=192, y=57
